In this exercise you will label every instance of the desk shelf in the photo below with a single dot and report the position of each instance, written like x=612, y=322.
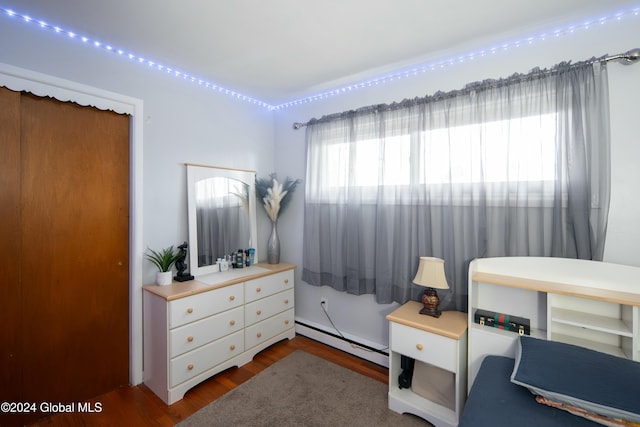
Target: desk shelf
x=591, y=321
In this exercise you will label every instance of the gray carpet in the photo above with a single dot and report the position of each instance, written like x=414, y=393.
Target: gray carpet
x=303, y=390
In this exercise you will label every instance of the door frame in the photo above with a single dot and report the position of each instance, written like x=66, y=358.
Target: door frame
x=39, y=84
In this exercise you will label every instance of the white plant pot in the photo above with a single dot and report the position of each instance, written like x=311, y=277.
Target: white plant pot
x=164, y=278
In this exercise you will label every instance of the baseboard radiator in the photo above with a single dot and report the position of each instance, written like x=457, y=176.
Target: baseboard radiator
x=348, y=345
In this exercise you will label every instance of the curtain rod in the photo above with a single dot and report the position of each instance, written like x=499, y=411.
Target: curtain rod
x=629, y=57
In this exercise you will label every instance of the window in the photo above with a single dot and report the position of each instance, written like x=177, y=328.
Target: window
x=506, y=151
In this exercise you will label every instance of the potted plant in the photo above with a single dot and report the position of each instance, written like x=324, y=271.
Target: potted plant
x=163, y=260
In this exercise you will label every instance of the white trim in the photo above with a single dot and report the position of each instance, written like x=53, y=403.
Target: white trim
x=19, y=79
x=321, y=334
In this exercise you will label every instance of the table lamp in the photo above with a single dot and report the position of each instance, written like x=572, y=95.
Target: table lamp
x=431, y=275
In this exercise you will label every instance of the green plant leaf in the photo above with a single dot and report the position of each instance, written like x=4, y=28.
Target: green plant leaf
x=163, y=259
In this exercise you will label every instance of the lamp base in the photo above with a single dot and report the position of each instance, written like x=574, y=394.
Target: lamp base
x=430, y=301
x=430, y=312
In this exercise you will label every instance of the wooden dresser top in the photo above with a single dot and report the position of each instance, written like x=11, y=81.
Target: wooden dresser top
x=216, y=280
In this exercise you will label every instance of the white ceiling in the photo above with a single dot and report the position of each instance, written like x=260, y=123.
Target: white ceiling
x=280, y=50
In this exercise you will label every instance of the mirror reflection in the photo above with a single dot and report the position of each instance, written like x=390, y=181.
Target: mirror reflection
x=221, y=214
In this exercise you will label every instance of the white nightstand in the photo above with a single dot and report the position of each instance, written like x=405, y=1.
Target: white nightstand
x=439, y=346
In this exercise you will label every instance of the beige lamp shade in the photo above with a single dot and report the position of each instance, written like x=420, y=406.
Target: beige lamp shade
x=431, y=273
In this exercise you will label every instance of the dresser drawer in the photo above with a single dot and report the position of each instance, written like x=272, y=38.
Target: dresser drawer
x=195, y=362
x=269, y=328
x=193, y=335
x=196, y=307
x=268, y=285
x=424, y=346
x=267, y=307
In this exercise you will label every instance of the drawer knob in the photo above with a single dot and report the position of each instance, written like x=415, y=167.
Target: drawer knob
x=232, y=322
x=259, y=334
x=286, y=281
x=189, y=339
x=259, y=312
x=190, y=367
x=231, y=298
x=286, y=301
x=419, y=347
x=189, y=310
x=286, y=322
x=258, y=289
x=232, y=347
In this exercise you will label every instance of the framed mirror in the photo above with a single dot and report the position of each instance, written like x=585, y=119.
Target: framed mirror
x=222, y=214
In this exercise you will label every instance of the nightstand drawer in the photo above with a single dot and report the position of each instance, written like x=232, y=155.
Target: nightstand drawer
x=424, y=346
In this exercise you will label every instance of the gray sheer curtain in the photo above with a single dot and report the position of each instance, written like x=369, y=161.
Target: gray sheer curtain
x=510, y=167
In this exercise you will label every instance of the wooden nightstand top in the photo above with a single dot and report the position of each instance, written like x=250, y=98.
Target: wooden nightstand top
x=451, y=324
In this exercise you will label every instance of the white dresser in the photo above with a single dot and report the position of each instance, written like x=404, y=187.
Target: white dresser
x=193, y=330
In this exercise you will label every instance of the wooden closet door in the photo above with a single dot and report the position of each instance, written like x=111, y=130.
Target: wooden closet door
x=75, y=250
x=10, y=245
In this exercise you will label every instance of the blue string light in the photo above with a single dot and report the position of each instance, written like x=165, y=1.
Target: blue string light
x=377, y=81
x=460, y=59
x=134, y=57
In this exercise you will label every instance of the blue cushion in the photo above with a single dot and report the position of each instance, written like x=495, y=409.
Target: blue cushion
x=576, y=376
x=495, y=402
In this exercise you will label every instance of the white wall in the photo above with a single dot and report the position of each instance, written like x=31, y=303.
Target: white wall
x=360, y=317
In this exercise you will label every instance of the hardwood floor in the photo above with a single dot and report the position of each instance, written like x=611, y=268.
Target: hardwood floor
x=140, y=407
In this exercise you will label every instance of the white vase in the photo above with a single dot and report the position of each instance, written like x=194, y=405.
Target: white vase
x=164, y=278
